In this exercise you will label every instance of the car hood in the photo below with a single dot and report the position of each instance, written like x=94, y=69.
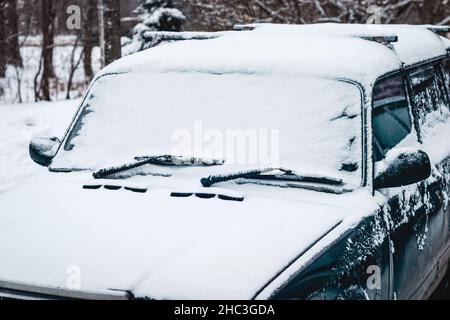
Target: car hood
x=152, y=244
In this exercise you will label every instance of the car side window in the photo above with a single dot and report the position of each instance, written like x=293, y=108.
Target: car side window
x=429, y=94
x=391, y=119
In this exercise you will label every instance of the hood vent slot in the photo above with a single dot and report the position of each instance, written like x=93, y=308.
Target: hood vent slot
x=181, y=195
x=228, y=198
x=137, y=190
x=92, y=187
x=108, y=187
x=205, y=195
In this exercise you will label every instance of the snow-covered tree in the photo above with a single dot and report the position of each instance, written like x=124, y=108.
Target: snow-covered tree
x=159, y=15
x=155, y=15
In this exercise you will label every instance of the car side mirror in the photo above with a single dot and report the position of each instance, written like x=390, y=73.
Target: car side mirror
x=402, y=167
x=43, y=150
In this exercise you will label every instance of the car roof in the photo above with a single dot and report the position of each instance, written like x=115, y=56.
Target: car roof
x=360, y=53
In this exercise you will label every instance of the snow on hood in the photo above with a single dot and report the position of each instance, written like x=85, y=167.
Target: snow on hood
x=152, y=244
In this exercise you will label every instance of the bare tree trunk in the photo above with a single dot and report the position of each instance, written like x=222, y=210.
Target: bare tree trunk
x=19, y=83
x=2, y=42
x=89, y=36
x=48, y=26
x=36, y=86
x=110, y=31
x=73, y=65
x=11, y=23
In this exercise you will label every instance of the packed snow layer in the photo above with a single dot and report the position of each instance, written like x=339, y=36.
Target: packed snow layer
x=267, y=53
x=415, y=43
x=151, y=244
x=317, y=122
x=328, y=50
x=18, y=125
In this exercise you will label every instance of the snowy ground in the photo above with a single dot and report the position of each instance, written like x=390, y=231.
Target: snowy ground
x=19, y=123
x=18, y=86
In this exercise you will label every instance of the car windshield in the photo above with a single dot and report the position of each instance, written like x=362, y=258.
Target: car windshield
x=309, y=125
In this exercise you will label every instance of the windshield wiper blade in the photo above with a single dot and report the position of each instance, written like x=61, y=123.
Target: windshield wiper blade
x=261, y=174
x=164, y=160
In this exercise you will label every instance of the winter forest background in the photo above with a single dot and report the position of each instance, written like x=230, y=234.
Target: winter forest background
x=46, y=54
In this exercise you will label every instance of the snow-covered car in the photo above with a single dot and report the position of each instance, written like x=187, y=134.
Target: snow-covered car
x=147, y=197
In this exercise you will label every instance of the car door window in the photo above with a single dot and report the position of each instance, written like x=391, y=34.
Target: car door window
x=429, y=95
x=391, y=120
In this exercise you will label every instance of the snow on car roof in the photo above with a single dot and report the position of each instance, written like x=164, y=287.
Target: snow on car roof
x=415, y=43
x=322, y=50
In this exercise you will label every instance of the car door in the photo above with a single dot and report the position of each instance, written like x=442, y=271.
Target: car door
x=392, y=125
x=419, y=235
x=446, y=72
x=446, y=163
x=415, y=214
